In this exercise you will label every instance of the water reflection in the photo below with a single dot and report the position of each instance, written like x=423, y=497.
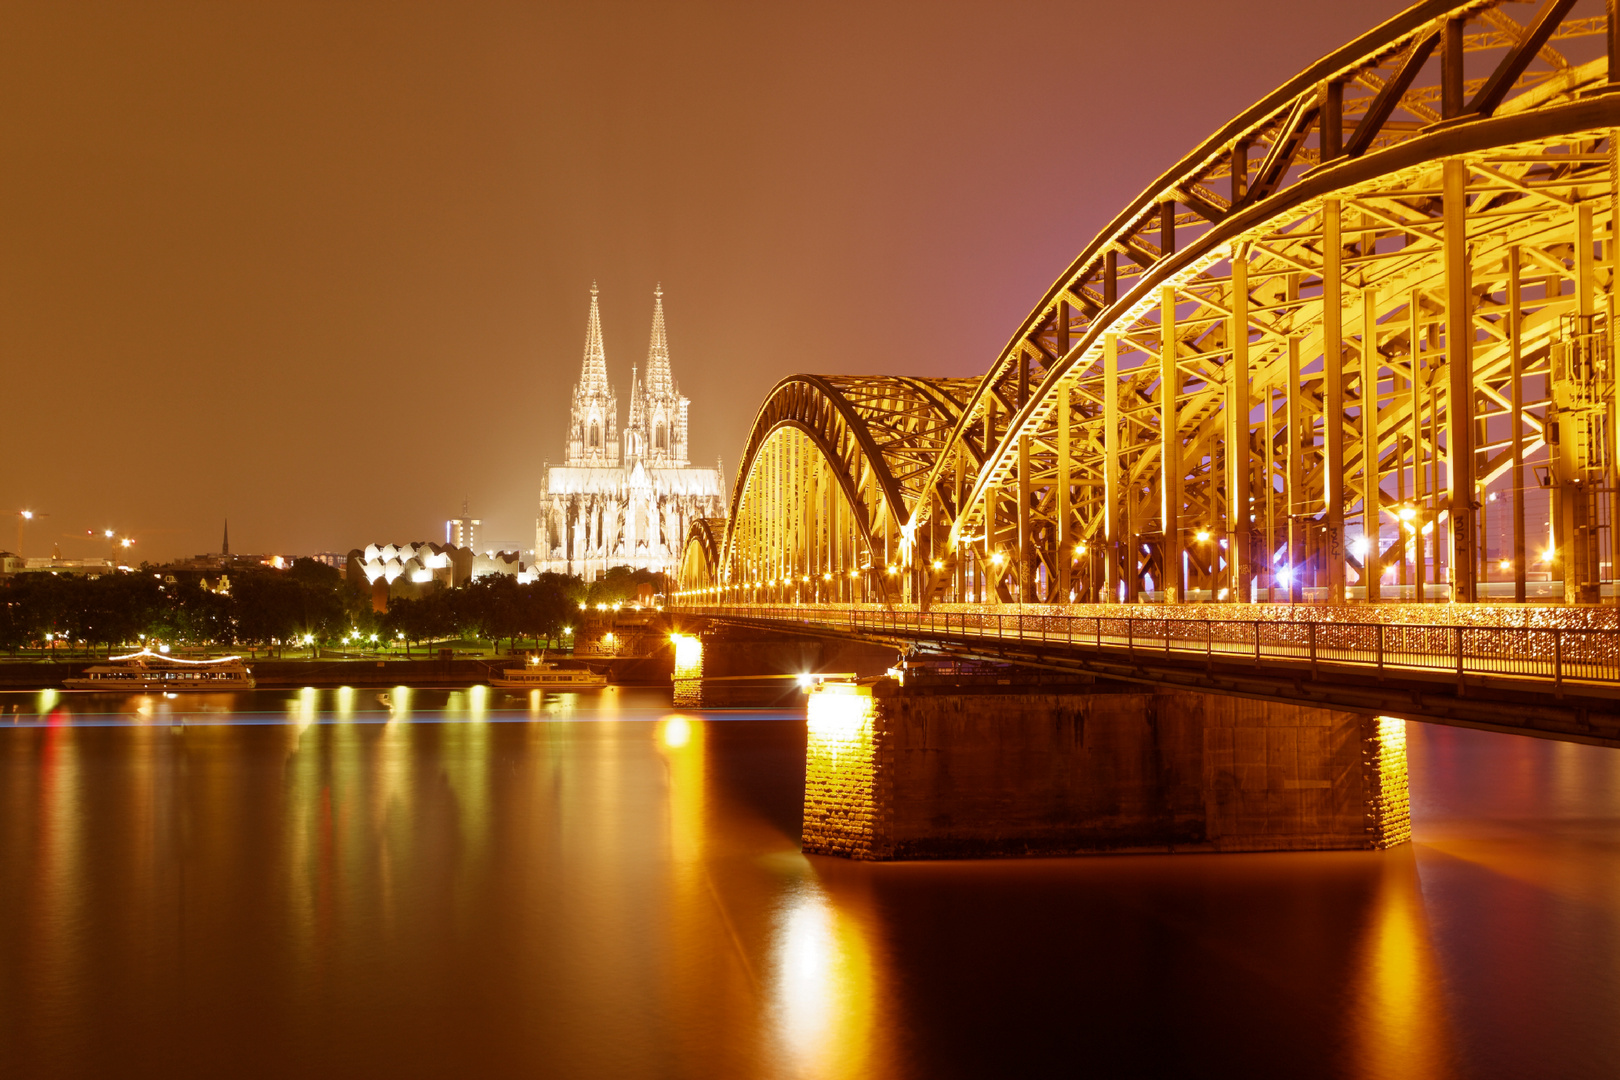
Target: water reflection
x=823, y=986
x=476, y=882
x=1399, y=1020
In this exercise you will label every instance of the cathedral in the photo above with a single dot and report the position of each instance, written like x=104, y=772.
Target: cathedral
x=624, y=497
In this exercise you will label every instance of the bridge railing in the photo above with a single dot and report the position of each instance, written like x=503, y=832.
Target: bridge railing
x=1546, y=654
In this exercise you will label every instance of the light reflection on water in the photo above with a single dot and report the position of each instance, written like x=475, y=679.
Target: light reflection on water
x=476, y=882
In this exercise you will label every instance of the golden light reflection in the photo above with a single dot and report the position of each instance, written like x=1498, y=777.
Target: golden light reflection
x=823, y=986
x=1400, y=1019
x=398, y=703
x=303, y=709
x=345, y=703
x=677, y=732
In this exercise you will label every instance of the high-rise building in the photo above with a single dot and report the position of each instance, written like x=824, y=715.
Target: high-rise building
x=624, y=502
x=462, y=532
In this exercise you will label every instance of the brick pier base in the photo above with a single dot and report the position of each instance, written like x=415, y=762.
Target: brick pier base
x=924, y=773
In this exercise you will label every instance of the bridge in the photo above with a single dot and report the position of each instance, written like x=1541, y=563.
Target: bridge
x=1326, y=417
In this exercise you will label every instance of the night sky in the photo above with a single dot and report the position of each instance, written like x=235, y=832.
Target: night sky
x=324, y=268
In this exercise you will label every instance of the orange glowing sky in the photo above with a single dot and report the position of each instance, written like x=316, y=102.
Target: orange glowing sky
x=323, y=268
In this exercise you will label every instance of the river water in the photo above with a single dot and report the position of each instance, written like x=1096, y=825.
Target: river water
x=349, y=883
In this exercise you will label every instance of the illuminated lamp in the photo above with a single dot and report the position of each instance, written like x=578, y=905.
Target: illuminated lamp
x=938, y=565
x=1202, y=536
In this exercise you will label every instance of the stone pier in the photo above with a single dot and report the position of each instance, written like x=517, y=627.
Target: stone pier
x=970, y=772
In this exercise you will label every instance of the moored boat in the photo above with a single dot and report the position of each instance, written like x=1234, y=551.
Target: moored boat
x=540, y=674
x=147, y=670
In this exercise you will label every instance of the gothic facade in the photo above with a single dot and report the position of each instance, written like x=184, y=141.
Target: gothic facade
x=624, y=498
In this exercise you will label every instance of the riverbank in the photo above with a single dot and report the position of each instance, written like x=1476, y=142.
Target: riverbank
x=270, y=674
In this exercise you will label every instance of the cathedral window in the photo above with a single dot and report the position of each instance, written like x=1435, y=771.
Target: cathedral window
x=596, y=435
x=658, y=439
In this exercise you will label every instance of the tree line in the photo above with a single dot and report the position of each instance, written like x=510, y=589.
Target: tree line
x=309, y=603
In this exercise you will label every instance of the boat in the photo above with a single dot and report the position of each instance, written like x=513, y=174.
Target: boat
x=147, y=670
x=542, y=674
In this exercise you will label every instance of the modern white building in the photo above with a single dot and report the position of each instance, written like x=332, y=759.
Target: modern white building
x=624, y=499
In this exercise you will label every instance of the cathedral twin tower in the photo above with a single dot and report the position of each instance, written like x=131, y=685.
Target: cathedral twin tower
x=657, y=429
x=624, y=500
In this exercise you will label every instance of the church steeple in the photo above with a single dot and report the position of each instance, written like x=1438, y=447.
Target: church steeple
x=593, y=429
x=593, y=372
x=659, y=380
x=664, y=410
x=225, y=541
x=635, y=431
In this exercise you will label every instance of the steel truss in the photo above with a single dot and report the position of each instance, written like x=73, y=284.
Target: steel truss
x=1356, y=346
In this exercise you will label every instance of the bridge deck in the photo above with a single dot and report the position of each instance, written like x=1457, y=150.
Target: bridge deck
x=1554, y=680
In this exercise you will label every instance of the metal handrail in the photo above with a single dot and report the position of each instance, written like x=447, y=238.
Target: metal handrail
x=1558, y=655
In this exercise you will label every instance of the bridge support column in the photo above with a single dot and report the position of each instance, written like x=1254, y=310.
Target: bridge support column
x=956, y=772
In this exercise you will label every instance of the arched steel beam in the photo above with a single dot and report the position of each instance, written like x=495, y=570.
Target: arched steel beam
x=820, y=406
x=1285, y=114
x=702, y=545
x=1588, y=115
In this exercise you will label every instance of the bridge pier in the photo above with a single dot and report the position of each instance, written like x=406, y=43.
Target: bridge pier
x=955, y=771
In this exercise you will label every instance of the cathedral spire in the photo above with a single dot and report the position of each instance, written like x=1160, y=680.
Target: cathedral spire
x=635, y=432
x=593, y=373
x=593, y=429
x=659, y=381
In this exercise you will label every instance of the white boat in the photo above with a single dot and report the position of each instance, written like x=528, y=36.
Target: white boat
x=147, y=670
x=539, y=674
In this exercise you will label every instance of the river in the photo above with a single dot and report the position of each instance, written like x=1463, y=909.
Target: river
x=474, y=883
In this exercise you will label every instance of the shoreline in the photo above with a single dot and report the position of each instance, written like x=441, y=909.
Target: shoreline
x=290, y=674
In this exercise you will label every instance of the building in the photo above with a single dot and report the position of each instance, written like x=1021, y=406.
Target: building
x=462, y=532
x=624, y=499
x=412, y=570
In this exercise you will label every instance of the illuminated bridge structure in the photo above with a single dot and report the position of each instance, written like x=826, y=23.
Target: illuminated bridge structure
x=1345, y=371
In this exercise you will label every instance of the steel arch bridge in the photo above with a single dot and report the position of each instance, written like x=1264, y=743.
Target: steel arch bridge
x=1356, y=346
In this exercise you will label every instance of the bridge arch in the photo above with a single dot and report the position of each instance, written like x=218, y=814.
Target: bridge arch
x=1356, y=345
x=700, y=555
x=829, y=480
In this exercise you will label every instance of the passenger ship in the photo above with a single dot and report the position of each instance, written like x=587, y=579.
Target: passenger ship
x=147, y=670
x=539, y=674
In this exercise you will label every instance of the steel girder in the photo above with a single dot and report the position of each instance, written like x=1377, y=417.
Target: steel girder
x=1431, y=207
x=851, y=448
x=700, y=557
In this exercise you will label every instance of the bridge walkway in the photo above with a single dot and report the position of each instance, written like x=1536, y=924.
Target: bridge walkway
x=1556, y=681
